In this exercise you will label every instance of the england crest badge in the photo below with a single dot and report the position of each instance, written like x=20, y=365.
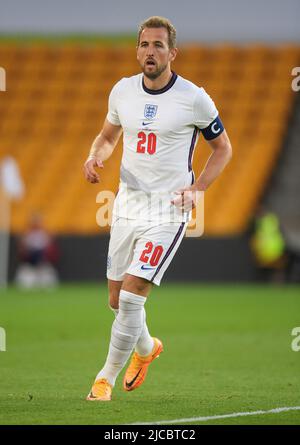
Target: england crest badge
x=150, y=111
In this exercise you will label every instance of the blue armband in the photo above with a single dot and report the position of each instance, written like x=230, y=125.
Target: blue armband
x=213, y=130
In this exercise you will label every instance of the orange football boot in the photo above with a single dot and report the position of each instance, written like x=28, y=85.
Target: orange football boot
x=101, y=391
x=137, y=370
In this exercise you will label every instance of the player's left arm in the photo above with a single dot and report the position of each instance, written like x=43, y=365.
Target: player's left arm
x=221, y=155
x=206, y=118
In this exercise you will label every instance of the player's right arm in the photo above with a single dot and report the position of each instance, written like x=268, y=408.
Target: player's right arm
x=101, y=150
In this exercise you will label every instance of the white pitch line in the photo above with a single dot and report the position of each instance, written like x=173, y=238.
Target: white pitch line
x=221, y=416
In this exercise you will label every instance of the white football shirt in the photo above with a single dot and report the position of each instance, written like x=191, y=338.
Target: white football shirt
x=160, y=132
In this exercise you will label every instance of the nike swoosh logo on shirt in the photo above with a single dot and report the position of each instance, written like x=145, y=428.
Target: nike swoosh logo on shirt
x=146, y=123
x=128, y=385
x=147, y=268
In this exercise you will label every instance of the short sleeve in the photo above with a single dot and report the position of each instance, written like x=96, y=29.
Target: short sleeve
x=205, y=110
x=112, y=115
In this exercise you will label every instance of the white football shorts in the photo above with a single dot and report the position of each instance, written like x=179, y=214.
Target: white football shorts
x=144, y=249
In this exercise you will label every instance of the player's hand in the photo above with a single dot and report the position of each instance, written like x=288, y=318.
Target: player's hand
x=89, y=170
x=185, y=199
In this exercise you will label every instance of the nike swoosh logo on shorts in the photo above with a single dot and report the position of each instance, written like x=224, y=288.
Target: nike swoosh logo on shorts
x=147, y=268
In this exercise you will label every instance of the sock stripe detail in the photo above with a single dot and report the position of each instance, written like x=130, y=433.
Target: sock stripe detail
x=122, y=350
x=128, y=327
x=131, y=298
x=123, y=340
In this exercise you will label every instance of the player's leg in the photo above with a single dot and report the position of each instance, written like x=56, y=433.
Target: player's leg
x=136, y=285
x=114, y=288
x=120, y=254
x=147, y=348
x=145, y=342
x=154, y=252
x=126, y=330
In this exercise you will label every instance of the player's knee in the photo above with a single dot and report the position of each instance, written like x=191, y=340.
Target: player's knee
x=137, y=285
x=113, y=301
x=113, y=294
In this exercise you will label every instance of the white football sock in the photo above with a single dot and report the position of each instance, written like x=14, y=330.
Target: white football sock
x=115, y=311
x=145, y=342
x=126, y=330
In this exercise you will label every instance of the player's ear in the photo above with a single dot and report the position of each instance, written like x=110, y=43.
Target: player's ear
x=136, y=48
x=173, y=54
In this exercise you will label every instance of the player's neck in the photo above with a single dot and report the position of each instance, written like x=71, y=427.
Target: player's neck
x=160, y=82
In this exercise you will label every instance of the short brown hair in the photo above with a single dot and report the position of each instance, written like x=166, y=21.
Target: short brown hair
x=159, y=22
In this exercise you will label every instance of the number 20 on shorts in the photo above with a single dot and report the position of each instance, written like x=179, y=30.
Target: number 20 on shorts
x=150, y=255
x=146, y=142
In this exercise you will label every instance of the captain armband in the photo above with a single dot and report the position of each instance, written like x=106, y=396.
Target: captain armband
x=214, y=129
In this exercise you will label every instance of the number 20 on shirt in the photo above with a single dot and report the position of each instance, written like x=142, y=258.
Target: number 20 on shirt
x=146, y=143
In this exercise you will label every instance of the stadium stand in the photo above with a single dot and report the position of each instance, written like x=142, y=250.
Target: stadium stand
x=56, y=100
x=282, y=196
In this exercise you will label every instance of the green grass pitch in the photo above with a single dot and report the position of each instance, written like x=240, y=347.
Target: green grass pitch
x=227, y=350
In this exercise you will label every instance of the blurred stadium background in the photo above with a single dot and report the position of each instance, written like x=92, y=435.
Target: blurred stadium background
x=56, y=100
x=62, y=58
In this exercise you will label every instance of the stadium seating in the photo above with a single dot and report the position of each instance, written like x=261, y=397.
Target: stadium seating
x=56, y=100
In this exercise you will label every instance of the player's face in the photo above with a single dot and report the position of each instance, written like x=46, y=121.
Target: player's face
x=153, y=52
